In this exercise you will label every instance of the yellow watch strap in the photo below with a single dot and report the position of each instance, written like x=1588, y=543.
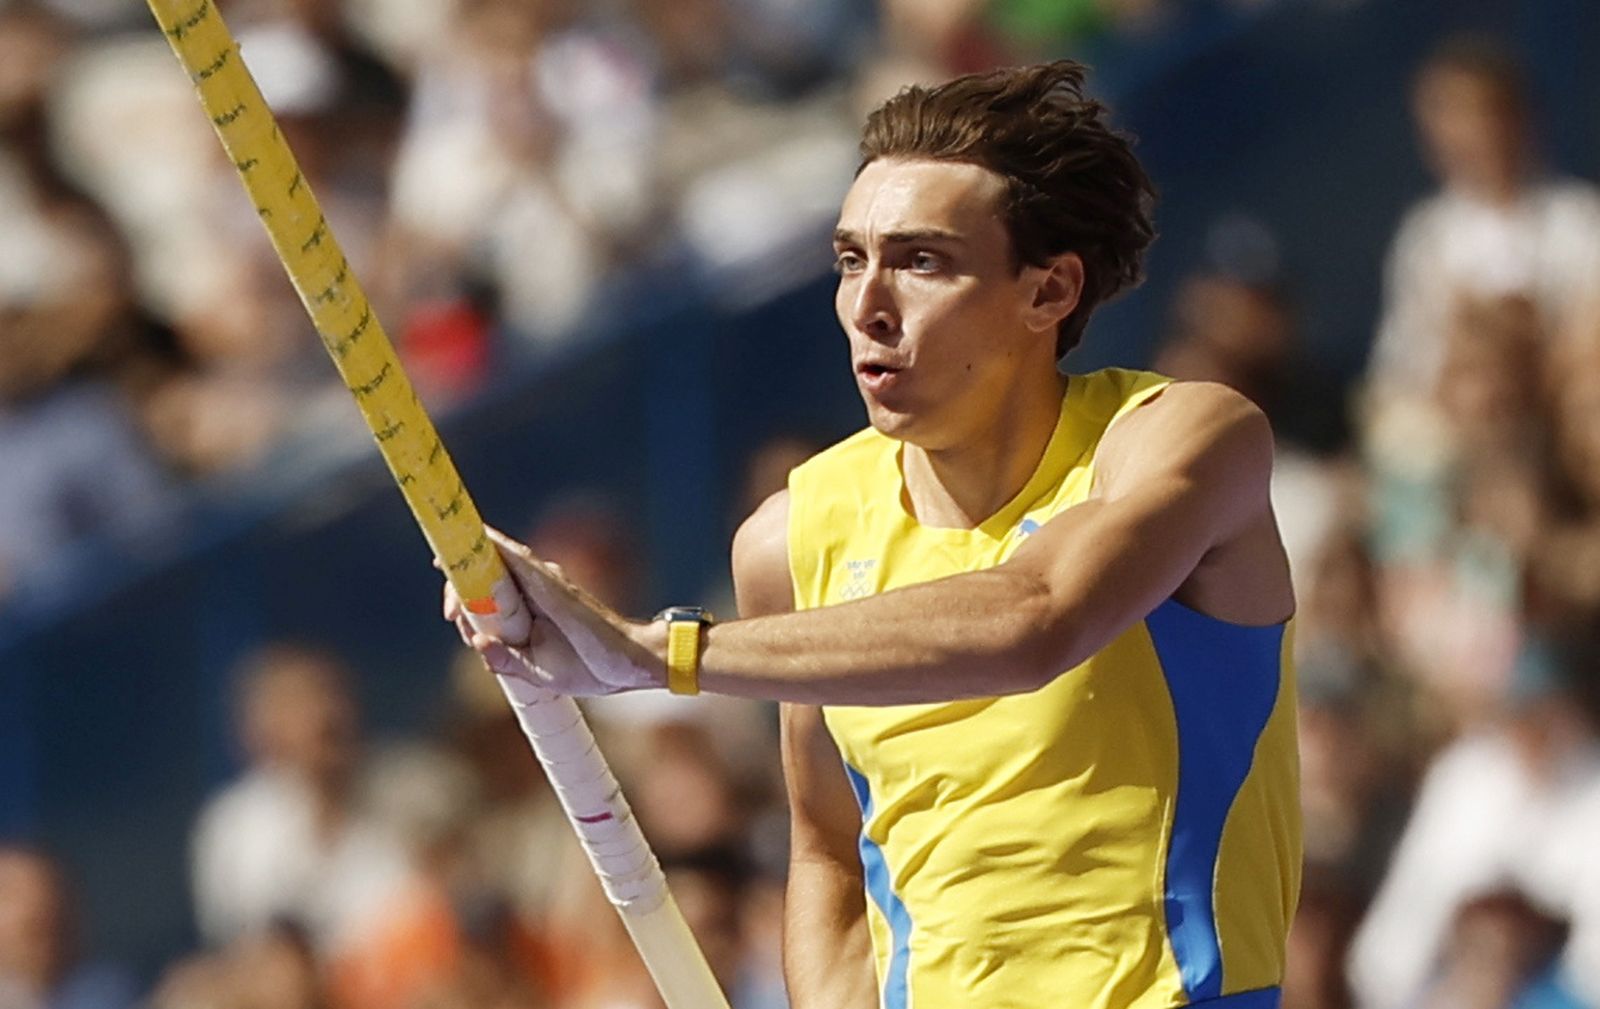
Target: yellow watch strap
x=683, y=656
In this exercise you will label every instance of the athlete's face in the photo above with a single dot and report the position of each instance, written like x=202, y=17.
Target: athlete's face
x=940, y=319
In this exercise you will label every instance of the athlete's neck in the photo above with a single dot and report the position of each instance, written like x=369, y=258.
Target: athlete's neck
x=961, y=485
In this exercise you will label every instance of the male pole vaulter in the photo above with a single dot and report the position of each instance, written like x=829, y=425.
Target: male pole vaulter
x=1029, y=630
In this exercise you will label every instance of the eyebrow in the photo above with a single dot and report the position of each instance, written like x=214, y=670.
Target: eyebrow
x=843, y=236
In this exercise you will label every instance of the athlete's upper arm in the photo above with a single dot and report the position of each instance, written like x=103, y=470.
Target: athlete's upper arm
x=761, y=580
x=1177, y=480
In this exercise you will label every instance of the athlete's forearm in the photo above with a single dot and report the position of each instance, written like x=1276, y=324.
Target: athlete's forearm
x=1069, y=590
x=975, y=635
x=827, y=951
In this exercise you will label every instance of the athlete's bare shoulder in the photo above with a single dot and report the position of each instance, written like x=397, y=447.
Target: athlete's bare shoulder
x=761, y=580
x=1204, y=432
x=1184, y=423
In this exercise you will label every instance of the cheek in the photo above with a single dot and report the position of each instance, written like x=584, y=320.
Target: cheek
x=976, y=327
x=949, y=311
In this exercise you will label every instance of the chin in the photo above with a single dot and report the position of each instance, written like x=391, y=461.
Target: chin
x=897, y=424
x=892, y=423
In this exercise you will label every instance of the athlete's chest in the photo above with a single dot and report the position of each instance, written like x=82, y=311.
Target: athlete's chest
x=883, y=552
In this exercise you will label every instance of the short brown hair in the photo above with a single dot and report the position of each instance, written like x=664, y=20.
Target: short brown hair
x=1072, y=182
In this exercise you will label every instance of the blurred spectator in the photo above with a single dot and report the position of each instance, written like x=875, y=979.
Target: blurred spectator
x=1318, y=941
x=527, y=158
x=1500, y=955
x=245, y=366
x=75, y=464
x=1577, y=891
x=40, y=965
x=1567, y=573
x=1462, y=498
x=1338, y=612
x=1362, y=731
x=482, y=161
x=1500, y=226
x=1483, y=821
x=588, y=537
x=1229, y=330
x=201, y=329
x=73, y=470
x=1487, y=394
x=598, y=966
x=1480, y=524
x=761, y=981
x=1353, y=799
x=683, y=792
x=33, y=44
x=273, y=969
x=449, y=935
x=291, y=838
x=1234, y=321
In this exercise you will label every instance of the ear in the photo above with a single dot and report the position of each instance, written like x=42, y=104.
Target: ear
x=1056, y=288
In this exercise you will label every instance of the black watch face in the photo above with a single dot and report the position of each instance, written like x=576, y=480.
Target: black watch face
x=674, y=614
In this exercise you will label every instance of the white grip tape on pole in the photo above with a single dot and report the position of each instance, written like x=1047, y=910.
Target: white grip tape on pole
x=590, y=795
x=592, y=800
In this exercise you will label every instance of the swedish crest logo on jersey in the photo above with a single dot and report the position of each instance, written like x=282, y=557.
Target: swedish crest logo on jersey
x=858, y=581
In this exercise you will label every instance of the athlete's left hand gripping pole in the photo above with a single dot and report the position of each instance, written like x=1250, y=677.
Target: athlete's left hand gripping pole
x=349, y=329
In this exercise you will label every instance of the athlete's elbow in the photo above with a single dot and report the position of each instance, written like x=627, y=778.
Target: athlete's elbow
x=1052, y=653
x=1043, y=638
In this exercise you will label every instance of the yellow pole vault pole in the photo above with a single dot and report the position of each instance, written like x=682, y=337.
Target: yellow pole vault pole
x=405, y=435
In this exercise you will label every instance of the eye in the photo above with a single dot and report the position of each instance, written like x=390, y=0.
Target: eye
x=847, y=262
x=925, y=262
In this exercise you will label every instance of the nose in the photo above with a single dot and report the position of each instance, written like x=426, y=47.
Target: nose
x=873, y=311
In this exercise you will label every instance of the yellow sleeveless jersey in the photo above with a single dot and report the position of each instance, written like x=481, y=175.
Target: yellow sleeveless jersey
x=1127, y=837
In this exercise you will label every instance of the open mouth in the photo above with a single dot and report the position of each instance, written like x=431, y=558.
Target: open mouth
x=877, y=378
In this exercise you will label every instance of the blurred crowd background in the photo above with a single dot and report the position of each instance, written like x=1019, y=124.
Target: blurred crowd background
x=239, y=769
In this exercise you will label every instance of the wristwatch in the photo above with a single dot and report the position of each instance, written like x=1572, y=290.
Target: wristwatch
x=684, y=624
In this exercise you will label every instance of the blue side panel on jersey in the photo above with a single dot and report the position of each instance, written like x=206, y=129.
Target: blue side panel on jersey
x=876, y=873
x=1223, y=679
